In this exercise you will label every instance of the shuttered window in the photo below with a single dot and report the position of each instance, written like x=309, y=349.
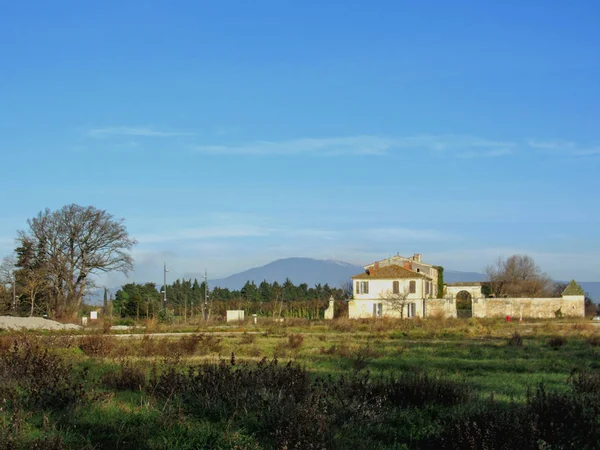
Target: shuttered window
x=396, y=287
x=412, y=287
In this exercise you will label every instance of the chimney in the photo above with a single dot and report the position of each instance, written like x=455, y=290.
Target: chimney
x=417, y=257
x=376, y=266
x=407, y=265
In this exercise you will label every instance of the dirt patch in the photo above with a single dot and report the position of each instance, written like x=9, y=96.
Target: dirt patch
x=33, y=323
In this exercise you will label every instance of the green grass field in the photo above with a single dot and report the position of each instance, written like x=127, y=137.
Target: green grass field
x=360, y=384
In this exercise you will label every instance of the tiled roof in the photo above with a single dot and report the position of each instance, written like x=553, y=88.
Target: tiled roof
x=388, y=272
x=573, y=289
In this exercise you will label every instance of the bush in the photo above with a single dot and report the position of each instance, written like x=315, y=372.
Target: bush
x=515, y=340
x=32, y=375
x=593, y=340
x=547, y=420
x=96, y=345
x=557, y=341
x=128, y=377
x=247, y=338
x=166, y=316
x=295, y=341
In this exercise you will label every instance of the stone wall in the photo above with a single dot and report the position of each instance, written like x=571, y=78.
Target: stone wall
x=535, y=308
x=517, y=308
x=440, y=307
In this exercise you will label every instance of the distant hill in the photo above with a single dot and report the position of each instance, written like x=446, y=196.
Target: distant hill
x=298, y=270
x=455, y=276
x=314, y=271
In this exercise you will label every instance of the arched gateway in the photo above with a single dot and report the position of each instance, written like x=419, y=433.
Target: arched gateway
x=464, y=295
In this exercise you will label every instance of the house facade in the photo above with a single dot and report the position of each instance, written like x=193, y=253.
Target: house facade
x=393, y=287
x=406, y=287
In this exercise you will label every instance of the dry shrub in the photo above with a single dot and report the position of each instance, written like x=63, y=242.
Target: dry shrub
x=194, y=344
x=34, y=377
x=247, y=339
x=60, y=341
x=96, y=345
x=128, y=377
x=361, y=358
x=152, y=325
x=297, y=322
x=255, y=352
x=385, y=324
x=339, y=350
x=343, y=324
x=295, y=341
x=106, y=324
x=147, y=346
x=202, y=344
x=52, y=442
x=593, y=340
x=581, y=326
x=515, y=340
x=557, y=341
x=188, y=345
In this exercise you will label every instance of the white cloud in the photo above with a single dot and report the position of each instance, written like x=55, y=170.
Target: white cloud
x=485, y=154
x=212, y=232
x=134, y=131
x=452, y=145
x=554, y=144
x=403, y=234
x=566, y=147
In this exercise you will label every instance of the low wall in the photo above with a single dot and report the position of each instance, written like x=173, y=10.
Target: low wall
x=440, y=307
x=535, y=308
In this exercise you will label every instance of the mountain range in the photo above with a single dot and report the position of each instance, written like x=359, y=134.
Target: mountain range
x=333, y=272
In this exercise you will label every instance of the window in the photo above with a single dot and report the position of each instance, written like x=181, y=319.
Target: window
x=418, y=270
x=396, y=287
x=362, y=287
x=427, y=288
x=412, y=310
x=412, y=287
x=377, y=309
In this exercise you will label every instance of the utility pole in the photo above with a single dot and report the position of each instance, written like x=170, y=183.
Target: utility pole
x=14, y=286
x=165, y=288
x=185, y=305
x=205, y=295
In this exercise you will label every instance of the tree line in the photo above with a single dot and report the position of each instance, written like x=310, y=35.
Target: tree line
x=190, y=298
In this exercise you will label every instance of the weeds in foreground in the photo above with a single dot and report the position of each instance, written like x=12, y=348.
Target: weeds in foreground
x=515, y=340
x=128, y=377
x=557, y=341
x=32, y=376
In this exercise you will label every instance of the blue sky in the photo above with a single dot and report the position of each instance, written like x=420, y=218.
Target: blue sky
x=228, y=134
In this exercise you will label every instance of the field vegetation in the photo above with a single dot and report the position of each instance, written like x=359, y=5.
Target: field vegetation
x=435, y=383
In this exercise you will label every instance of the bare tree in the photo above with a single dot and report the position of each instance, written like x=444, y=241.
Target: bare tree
x=518, y=276
x=8, y=280
x=396, y=301
x=74, y=243
x=347, y=289
x=34, y=285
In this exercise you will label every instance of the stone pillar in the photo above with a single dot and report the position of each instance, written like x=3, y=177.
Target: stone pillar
x=329, y=310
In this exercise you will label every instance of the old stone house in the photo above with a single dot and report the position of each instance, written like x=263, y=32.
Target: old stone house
x=406, y=287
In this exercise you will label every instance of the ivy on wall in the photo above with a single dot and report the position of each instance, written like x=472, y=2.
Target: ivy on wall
x=440, y=281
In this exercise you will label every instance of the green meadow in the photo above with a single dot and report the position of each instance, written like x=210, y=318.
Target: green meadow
x=306, y=384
